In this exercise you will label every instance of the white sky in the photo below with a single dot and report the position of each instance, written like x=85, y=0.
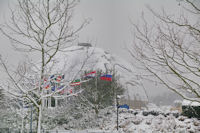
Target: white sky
x=110, y=27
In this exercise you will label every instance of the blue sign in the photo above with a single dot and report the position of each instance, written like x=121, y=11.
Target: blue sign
x=123, y=106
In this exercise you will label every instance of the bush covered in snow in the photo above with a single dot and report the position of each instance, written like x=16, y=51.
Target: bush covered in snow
x=144, y=121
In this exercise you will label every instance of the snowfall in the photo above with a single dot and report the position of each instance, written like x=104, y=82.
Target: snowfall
x=154, y=120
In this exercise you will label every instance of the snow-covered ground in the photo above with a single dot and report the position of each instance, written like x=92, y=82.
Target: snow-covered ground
x=153, y=120
x=157, y=123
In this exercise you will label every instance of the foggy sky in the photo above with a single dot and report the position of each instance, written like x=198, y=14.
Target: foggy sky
x=110, y=27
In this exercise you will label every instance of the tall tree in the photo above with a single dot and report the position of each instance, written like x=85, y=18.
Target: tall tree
x=44, y=27
x=169, y=49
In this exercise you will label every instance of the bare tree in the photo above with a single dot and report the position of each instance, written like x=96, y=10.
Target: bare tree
x=169, y=50
x=44, y=27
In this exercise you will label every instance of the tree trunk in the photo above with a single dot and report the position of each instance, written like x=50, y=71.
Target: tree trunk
x=96, y=110
x=22, y=128
x=39, y=119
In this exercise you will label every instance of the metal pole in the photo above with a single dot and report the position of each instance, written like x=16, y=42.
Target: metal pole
x=115, y=94
x=96, y=81
x=117, y=112
x=22, y=130
x=22, y=111
x=31, y=118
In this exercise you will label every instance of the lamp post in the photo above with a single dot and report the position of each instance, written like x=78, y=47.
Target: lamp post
x=117, y=100
x=118, y=97
x=31, y=118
